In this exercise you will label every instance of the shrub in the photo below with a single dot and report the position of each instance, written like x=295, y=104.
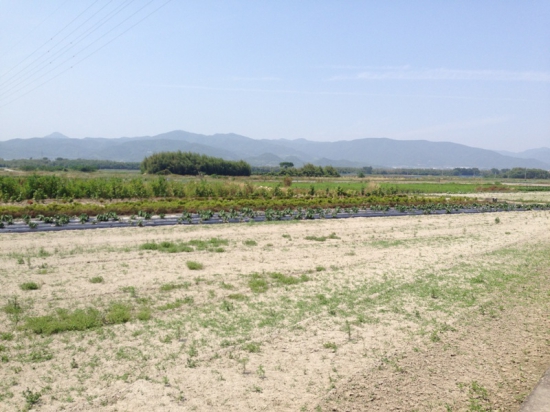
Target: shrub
x=194, y=265
x=96, y=279
x=29, y=286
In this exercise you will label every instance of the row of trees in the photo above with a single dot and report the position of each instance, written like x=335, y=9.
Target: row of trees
x=187, y=163
x=61, y=164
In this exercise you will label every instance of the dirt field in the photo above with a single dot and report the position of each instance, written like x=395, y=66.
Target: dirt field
x=442, y=313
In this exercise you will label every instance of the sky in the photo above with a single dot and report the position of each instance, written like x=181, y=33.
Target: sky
x=470, y=72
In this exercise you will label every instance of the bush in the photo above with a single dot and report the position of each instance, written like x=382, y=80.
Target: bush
x=194, y=265
x=29, y=286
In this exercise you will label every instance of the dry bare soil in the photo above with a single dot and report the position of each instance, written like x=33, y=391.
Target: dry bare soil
x=442, y=313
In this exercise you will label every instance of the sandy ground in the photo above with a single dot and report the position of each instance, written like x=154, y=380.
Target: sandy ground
x=528, y=197
x=409, y=313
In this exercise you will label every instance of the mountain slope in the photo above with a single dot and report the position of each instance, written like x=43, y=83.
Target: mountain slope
x=360, y=152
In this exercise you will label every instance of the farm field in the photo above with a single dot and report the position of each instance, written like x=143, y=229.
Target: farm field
x=443, y=313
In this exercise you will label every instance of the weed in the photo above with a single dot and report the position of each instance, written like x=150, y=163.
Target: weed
x=31, y=398
x=316, y=238
x=497, y=220
x=250, y=242
x=257, y=283
x=434, y=336
x=144, y=313
x=244, y=362
x=43, y=253
x=13, y=307
x=118, y=313
x=194, y=265
x=261, y=372
x=227, y=286
x=176, y=304
x=252, y=347
x=29, y=286
x=330, y=345
x=320, y=268
x=131, y=290
x=172, y=286
x=6, y=336
x=237, y=296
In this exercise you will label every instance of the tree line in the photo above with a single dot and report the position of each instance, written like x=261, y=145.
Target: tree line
x=60, y=164
x=187, y=163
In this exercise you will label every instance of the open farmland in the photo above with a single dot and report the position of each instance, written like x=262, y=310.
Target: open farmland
x=437, y=313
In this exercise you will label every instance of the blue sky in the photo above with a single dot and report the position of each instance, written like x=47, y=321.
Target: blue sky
x=471, y=72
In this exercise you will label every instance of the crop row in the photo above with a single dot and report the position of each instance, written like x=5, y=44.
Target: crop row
x=246, y=214
x=216, y=204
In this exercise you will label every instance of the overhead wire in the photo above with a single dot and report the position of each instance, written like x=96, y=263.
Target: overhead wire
x=66, y=48
x=93, y=52
x=51, y=38
x=47, y=52
x=35, y=28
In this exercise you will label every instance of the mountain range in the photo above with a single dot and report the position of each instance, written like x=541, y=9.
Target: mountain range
x=376, y=152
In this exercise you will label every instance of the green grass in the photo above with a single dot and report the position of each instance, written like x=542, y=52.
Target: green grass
x=250, y=242
x=260, y=283
x=322, y=238
x=178, y=303
x=252, y=347
x=211, y=245
x=29, y=286
x=257, y=283
x=167, y=247
x=78, y=320
x=167, y=287
x=97, y=279
x=192, y=265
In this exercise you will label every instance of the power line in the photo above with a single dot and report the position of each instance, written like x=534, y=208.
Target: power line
x=71, y=57
x=68, y=47
x=67, y=25
x=47, y=52
x=90, y=54
x=36, y=27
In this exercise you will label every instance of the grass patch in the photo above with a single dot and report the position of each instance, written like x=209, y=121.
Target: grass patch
x=211, y=245
x=322, y=238
x=29, y=286
x=237, y=296
x=167, y=287
x=167, y=247
x=192, y=265
x=260, y=283
x=257, y=283
x=78, y=320
x=178, y=303
x=97, y=279
x=281, y=279
x=252, y=347
x=250, y=242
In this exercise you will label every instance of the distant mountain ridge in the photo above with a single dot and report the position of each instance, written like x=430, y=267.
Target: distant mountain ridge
x=378, y=152
x=542, y=154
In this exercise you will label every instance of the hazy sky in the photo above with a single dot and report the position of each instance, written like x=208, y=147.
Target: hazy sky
x=471, y=72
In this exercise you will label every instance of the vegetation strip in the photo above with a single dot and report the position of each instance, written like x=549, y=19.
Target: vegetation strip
x=62, y=222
